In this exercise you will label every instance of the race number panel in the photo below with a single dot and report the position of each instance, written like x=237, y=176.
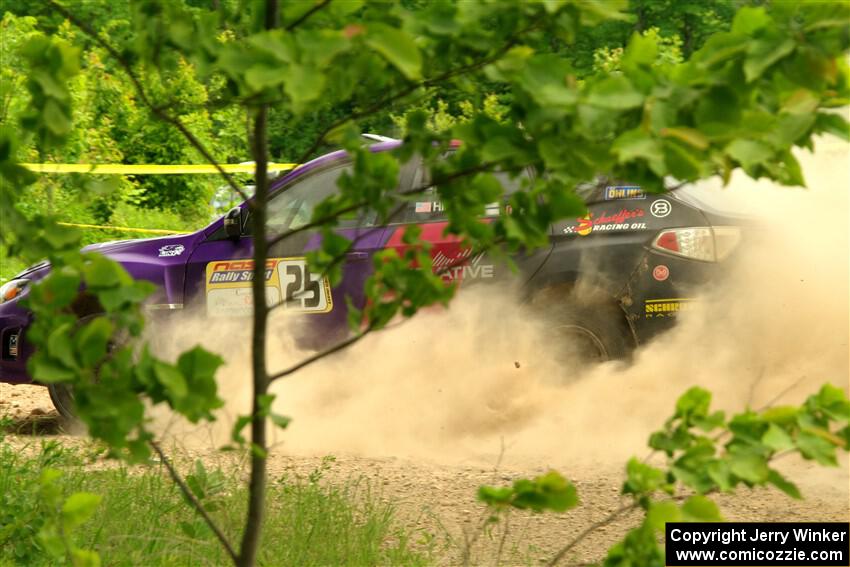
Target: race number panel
x=228, y=287
x=301, y=289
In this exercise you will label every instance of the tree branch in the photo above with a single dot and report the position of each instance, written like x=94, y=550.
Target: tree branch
x=322, y=354
x=140, y=91
x=306, y=15
x=624, y=509
x=196, y=504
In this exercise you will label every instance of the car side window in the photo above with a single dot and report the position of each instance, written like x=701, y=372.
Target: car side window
x=426, y=206
x=291, y=207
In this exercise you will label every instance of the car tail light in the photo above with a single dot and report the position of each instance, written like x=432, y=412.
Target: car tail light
x=709, y=244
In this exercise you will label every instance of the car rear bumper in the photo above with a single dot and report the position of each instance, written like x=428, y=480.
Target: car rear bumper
x=660, y=288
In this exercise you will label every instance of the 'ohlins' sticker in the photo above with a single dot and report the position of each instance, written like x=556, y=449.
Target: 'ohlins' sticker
x=288, y=280
x=619, y=221
x=667, y=307
x=629, y=192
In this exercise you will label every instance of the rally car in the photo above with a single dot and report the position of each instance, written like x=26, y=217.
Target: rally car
x=609, y=280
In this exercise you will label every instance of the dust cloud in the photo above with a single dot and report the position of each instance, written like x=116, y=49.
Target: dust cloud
x=479, y=379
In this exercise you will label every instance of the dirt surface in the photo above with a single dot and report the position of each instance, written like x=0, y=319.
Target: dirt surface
x=436, y=501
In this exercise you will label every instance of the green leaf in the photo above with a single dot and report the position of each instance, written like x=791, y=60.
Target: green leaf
x=261, y=76
x=397, y=47
x=101, y=272
x=93, y=339
x=172, y=380
x=748, y=466
x=281, y=421
x=762, y=53
x=783, y=484
x=236, y=433
x=749, y=19
x=815, y=447
x=496, y=497
x=781, y=415
x=749, y=153
x=641, y=50
x=198, y=364
x=46, y=371
x=777, y=439
x=801, y=101
x=643, y=479
x=660, y=513
x=615, y=93
x=718, y=471
x=78, y=508
x=544, y=77
x=55, y=119
x=60, y=346
x=700, y=508
x=550, y=491
x=831, y=400
x=304, y=85
x=694, y=402
x=637, y=144
x=834, y=124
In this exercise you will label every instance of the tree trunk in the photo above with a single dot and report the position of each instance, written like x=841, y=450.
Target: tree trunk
x=257, y=484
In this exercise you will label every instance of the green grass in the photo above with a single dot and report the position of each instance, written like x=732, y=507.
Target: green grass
x=143, y=520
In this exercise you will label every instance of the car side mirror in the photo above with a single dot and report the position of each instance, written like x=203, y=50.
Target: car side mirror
x=233, y=223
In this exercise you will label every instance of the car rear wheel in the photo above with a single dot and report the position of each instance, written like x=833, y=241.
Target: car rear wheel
x=587, y=332
x=592, y=333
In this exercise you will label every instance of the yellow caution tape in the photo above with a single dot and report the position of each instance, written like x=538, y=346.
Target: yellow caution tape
x=122, y=169
x=123, y=228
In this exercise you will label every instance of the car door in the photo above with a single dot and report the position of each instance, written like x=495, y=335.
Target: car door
x=454, y=261
x=219, y=270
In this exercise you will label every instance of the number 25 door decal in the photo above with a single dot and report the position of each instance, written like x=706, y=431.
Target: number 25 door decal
x=228, y=287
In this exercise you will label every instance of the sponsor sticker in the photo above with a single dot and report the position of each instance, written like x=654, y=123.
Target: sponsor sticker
x=661, y=272
x=626, y=192
x=660, y=208
x=13, y=345
x=228, y=287
x=622, y=220
x=457, y=265
x=667, y=307
x=171, y=250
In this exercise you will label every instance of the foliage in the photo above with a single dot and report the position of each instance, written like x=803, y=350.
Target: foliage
x=142, y=519
x=608, y=60
x=37, y=519
x=706, y=454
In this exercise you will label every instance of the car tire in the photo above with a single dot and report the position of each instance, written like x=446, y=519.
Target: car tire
x=594, y=330
x=62, y=396
x=598, y=332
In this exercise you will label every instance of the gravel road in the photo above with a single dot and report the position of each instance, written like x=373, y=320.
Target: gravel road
x=436, y=499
